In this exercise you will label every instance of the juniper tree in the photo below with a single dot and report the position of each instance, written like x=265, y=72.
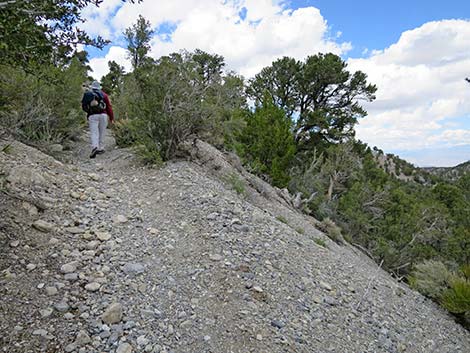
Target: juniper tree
x=138, y=38
x=114, y=78
x=319, y=94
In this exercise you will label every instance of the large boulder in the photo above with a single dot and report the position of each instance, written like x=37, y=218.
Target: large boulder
x=27, y=176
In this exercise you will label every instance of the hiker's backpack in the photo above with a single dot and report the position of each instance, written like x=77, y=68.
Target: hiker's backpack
x=93, y=102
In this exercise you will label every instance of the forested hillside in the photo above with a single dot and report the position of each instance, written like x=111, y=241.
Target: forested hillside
x=292, y=124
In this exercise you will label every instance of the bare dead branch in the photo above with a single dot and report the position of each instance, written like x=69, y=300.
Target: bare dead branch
x=369, y=285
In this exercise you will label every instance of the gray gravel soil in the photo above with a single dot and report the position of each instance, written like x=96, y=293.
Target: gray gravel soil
x=106, y=255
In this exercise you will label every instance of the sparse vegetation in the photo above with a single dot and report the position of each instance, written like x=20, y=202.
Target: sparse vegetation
x=282, y=219
x=33, y=107
x=431, y=278
x=237, y=184
x=456, y=299
x=331, y=230
x=320, y=242
x=451, y=289
x=7, y=148
x=126, y=132
x=149, y=154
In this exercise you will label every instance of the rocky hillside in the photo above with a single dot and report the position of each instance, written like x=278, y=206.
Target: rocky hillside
x=451, y=173
x=199, y=256
x=396, y=167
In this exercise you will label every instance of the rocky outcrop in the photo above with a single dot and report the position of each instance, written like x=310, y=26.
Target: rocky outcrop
x=198, y=256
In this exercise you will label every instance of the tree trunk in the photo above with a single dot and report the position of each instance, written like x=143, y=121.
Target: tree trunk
x=330, y=188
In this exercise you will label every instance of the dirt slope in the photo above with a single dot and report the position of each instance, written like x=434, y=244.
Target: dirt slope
x=129, y=259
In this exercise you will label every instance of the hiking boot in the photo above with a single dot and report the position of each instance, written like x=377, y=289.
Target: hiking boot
x=94, y=152
x=100, y=152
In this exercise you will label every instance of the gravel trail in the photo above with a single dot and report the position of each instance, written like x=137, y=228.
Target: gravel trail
x=105, y=255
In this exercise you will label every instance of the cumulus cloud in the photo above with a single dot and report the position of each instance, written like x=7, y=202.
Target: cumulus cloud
x=268, y=30
x=100, y=65
x=433, y=44
x=247, y=46
x=98, y=19
x=458, y=137
x=421, y=86
x=158, y=11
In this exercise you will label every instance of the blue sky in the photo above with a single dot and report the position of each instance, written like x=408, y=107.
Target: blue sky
x=377, y=24
x=417, y=52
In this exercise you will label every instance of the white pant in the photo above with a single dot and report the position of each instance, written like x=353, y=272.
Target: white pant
x=97, y=124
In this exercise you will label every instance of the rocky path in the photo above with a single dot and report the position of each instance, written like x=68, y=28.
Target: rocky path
x=107, y=256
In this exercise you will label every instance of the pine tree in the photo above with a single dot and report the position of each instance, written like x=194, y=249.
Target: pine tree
x=267, y=142
x=138, y=38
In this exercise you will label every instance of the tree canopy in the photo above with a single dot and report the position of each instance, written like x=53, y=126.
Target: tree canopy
x=114, y=78
x=138, y=41
x=35, y=32
x=319, y=93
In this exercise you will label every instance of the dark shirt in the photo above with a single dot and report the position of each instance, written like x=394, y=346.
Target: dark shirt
x=88, y=97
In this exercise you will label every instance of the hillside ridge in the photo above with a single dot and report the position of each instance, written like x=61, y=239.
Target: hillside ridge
x=450, y=173
x=199, y=256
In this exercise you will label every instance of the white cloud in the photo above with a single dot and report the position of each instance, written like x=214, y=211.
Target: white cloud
x=457, y=137
x=248, y=47
x=421, y=85
x=269, y=31
x=98, y=19
x=435, y=43
x=100, y=65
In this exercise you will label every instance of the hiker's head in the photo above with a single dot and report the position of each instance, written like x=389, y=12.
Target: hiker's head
x=95, y=85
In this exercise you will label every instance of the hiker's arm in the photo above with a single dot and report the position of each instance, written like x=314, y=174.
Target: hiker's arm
x=84, y=104
x=109, y=108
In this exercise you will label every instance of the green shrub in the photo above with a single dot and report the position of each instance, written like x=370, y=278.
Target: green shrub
x=456, y=299
x=267, y=143
x=331, y=230
x=407, y=170
x=320, y=242
x=281, y=219
x=41, y=107
x=126, y=132
x=300, y=230
x=232, y=129
x=174, y=99
x=431, y=278
x=36, y=122
x=129, y=133
x=236, y=183
x=348, y=238
x=149, y=154
x=465, y=270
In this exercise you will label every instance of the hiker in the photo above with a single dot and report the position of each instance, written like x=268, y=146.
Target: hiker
x=96, y=104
